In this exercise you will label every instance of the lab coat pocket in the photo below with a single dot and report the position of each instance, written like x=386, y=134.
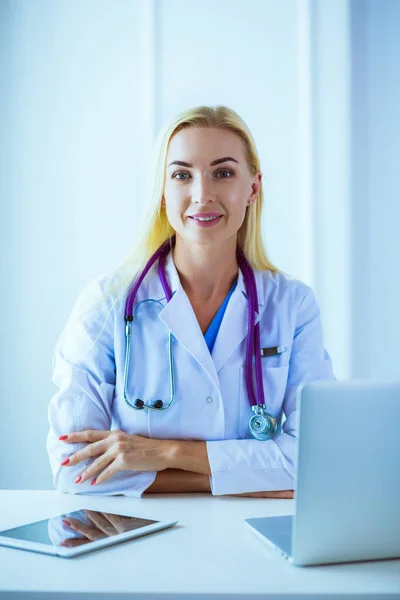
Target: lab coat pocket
x=274, y=382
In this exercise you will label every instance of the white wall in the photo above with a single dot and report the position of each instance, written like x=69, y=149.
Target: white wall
x=242, y=54
x=85, y=85
x=72, y=165
x=376, y=188
x=330, y=104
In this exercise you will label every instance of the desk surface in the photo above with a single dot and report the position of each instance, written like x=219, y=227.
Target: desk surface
x=210, y=552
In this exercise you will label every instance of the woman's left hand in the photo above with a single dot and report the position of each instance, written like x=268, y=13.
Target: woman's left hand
x=117, y=451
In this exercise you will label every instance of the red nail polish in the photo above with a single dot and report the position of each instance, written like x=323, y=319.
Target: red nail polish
x=77, y=480
x=65, y=462
x=66, y=522
x=93, y=482
x=63, y=437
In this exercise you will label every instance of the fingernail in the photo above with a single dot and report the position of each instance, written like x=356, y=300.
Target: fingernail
x=93, y=482
x=65, y=462
x=63, y=437
x=66, y=522
x=64, y=544
x=77, y=480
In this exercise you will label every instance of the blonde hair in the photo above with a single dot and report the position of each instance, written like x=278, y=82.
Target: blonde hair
x=155, y=228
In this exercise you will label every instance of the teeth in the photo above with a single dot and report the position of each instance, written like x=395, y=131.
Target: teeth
x=205, y=218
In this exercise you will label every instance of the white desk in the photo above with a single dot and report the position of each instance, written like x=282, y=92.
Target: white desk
x=210, y=553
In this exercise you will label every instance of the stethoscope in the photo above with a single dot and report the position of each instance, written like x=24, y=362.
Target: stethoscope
x=262, y=425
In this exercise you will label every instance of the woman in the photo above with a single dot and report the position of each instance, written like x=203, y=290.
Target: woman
x=181, y=422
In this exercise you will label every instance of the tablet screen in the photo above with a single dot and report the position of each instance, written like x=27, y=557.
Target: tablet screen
x=76, y=528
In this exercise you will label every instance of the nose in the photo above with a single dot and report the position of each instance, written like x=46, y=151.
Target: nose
x=202, y=192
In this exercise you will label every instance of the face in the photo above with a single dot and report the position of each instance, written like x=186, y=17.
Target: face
x=207, y=176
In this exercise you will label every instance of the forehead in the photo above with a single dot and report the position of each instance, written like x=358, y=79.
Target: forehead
x=196, y=144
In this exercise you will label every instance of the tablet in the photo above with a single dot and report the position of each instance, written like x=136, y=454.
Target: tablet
x=70, y=534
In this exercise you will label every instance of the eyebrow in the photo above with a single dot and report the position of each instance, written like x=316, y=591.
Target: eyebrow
x=214, y=162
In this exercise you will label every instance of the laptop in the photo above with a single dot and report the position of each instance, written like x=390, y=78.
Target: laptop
x=347, y=484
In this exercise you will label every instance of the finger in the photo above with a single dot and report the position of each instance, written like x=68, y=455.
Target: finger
x=113, y=468
x=101, y=522
x=88, y=435
x=89, y=451
x=96, y=467
x=90, y=531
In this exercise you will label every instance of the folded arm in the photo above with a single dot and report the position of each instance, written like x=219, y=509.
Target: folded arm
x=189, y=471
x=176, y=481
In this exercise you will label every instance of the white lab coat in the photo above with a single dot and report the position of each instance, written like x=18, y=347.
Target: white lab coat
x=211, y=401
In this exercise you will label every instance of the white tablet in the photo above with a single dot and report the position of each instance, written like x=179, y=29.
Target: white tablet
x=70, y=534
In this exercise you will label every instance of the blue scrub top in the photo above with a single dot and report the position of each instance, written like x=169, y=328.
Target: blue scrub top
x=211, y=334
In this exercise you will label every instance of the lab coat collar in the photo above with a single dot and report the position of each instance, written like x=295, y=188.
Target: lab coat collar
x=178, y=315
x=156, y=290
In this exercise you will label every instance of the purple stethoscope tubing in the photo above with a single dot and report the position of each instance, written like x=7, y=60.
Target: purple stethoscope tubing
x=262, y=425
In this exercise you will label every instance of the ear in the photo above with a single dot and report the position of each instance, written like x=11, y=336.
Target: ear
x=255, y=189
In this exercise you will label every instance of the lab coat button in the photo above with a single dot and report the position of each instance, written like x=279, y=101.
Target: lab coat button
x=209, y=399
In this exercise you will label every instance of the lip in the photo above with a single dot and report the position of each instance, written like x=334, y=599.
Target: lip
x=210, y=223
x=206, y=215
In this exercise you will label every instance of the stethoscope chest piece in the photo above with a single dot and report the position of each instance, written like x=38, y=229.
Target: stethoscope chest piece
x=262, y=425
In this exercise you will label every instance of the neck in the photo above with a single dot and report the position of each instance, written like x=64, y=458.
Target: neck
x=206, y=272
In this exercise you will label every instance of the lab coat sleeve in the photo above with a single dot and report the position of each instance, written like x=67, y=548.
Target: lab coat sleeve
x=84, y=371
x=239, y=466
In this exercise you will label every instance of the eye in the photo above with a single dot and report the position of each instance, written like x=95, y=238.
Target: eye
x=224, y=171
x=174, y=176
x=179, y=173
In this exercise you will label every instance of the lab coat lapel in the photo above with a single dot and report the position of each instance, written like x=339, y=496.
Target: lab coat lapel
x=234, y=326
x=178, y=315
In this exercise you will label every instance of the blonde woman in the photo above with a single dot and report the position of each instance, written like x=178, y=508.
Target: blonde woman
x=219, y=338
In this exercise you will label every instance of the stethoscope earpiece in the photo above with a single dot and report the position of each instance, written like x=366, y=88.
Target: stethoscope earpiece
x=140, y=404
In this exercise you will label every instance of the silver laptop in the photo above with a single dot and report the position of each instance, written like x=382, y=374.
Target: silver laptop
x=347, y=488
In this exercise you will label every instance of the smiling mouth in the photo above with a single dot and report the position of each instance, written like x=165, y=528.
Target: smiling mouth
x=205, y=218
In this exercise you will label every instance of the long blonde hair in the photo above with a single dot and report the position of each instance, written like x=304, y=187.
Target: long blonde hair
x=155, y=228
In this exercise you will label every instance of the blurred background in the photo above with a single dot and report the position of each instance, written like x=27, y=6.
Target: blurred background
x=85, y=86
